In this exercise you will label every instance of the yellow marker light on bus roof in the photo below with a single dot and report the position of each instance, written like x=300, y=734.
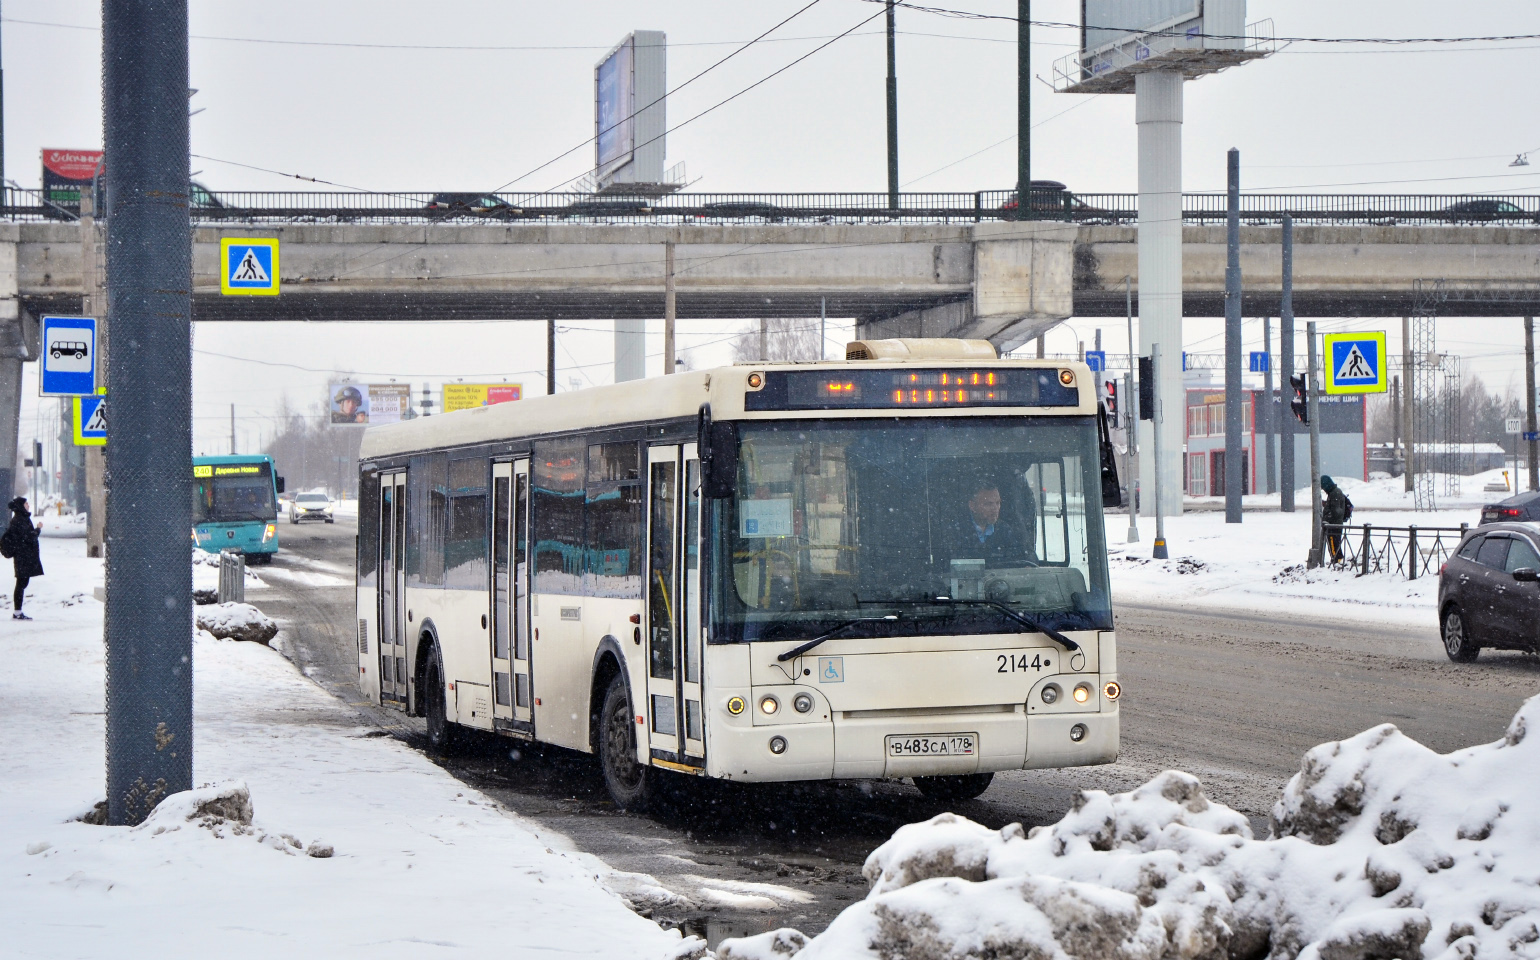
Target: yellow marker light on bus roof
x=1067, y=377
x=756, y=381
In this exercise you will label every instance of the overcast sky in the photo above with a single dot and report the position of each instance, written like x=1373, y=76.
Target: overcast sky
x=343, y=91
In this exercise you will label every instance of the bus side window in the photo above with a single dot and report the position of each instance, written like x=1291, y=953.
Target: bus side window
x=556, y=497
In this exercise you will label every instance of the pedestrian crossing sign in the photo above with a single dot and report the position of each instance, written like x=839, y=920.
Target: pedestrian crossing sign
x=91, y=420
x=248, y=267
x=1355, y=362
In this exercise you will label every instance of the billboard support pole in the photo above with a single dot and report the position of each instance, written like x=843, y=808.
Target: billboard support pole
x=1234, y=474
x=1158, y=115
x=1023, y=108
x=148, y=622
x=668, y=307
x=892, y=113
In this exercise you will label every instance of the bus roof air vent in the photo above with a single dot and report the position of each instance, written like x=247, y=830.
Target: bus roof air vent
x=928, y=348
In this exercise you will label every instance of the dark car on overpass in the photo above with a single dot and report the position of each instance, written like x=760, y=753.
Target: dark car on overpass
x=1489, y=592
x=1052, y=200
x=1525, y=506
x=1484, y=211
x=470, y=205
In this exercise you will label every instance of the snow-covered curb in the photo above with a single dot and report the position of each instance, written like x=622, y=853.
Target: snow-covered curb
x=235, y=621
x=1381, y=848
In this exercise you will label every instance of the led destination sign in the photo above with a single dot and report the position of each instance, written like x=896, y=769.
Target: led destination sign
x=901, y=389
x=228, y=470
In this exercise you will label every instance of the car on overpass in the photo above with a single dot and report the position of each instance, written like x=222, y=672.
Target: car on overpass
x=1486, y=210
x=471, y=205
x=1488, y=591
x=1052, y=200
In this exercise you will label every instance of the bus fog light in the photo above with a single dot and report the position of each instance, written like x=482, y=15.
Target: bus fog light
x=802, y=702
x=1051, y=693
x=1077, y=732
x=777, y=745
x=769, y=705
x=1082, y=693
x=735, y=705
x=1112, y=690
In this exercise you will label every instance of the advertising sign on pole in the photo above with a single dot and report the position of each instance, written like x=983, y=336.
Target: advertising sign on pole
x=614, y=106
x=69, y=357
x=348, y=403
x=388, y=402
x=464, y=396
x=1355, y=362
x=66, y=173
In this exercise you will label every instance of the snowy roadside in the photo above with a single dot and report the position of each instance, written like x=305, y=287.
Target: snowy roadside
x=419, y=860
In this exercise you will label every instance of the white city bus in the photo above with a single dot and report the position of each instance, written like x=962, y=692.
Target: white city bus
x=892, y=566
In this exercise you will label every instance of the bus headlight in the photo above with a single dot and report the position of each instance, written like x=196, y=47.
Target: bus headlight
x=1082, y=693
x=1051, y=693
x=802, y=702
x=1077, y=732
x=769, y=705
x=269, y=532
x=1112, y=690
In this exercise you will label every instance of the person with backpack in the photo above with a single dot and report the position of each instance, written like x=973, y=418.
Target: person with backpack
x=19, y=545
x=1338, y=509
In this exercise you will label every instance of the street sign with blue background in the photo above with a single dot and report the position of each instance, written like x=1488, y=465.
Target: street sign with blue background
x=1261, y=361
x=91, y=421
x=1096, y=360
x=69, y=357
x=1355, y=362
x=248, y=267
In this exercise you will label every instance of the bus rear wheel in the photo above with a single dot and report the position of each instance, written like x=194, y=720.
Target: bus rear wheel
x=969, y=786
x=630, y=784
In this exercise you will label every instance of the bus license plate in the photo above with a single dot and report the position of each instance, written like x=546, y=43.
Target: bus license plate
x=933, y=745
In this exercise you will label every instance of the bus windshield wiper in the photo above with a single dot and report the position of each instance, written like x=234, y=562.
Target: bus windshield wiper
x=802, y=648
x=1020, y=618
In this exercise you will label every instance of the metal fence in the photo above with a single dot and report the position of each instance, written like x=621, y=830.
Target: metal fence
x=1410, y=551
x=253, y=206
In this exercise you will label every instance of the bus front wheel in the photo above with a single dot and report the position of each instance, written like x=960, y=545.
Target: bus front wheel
x=629, y=783
x=441, y=733
x=968, y=786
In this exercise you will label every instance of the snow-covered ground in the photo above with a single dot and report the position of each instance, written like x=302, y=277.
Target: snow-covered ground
x=1389, y=493
x=1380, y=848
x=420, y=862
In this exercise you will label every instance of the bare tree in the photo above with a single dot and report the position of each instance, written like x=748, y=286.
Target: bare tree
x=784, y=339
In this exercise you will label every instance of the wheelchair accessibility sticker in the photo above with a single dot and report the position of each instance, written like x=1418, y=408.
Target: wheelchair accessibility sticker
x=831, y=669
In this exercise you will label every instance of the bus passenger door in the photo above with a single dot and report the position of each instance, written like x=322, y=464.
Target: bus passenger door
x=673, y=658
x=510, y=610
x=392, y=567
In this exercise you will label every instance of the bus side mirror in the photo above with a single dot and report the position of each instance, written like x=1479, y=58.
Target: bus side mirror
x=280, y=484
x=718, y=456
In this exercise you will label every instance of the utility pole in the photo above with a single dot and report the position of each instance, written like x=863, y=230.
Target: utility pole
x=1313, y=404
x=94, y=304
x=1023, y=109
x=668, y=308
x=232, y=429
x=3, y=188
x=1395, y=422
x=1042, y=346
x=764, y=338
x=1263, y=415
x=892, y=113
x=1409, y=380
x=1531, y=445
x=1234, y=475
x=550, y=356
x=1132, y=406
x=149, y=717
x=1286, y=468
x=1160, y=552
x=823, y=326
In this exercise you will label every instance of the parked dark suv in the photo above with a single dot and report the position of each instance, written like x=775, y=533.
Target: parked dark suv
x=1489, y=591
x=1525, y=506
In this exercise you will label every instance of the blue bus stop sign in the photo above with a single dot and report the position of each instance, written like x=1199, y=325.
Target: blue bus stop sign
x=69, y=357
x=1096, y=360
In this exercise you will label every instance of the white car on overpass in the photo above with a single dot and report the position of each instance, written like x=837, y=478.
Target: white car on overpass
x=311, y=506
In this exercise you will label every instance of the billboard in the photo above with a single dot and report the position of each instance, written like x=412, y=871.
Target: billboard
x=464, y=396
x=67, y=172
x=614, y=104
x=369, y=403
x=1120, y=39
x=389, y=402
x=1107, y=22
x=348, y=403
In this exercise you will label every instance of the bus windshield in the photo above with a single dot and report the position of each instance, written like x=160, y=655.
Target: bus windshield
x=233, y=492
x=840, y=520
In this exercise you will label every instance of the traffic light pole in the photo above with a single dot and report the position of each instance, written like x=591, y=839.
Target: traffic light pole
x=1286, y=372
x=1131, y=407
x=1312, y=391
x=1160, y=552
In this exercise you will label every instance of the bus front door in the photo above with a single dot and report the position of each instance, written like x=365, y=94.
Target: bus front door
x=392, y=567
x=511, y=690
x=675, y=721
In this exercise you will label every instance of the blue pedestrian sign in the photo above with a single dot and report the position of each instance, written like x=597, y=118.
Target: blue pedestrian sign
x=1355, y=362
x=69, y=357
x=1261, y=361
x=248, y=267
x=91, y=421
x=1096, y=360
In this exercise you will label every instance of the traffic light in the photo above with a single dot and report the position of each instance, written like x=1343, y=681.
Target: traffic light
x=1146, y=388
x=1110, y=397
x=1300, y=404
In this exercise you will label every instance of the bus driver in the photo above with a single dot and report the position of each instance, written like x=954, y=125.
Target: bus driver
x=980, y=534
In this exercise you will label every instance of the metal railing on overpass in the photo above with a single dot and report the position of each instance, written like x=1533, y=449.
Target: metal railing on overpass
x=320, y=206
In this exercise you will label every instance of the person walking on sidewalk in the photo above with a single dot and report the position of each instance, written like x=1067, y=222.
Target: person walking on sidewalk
x=1337, y=509
x=19, y=544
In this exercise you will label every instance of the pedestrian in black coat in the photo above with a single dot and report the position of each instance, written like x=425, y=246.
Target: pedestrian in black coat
x=20, y=545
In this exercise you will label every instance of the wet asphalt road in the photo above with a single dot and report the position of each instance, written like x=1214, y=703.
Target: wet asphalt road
x=1234, y=698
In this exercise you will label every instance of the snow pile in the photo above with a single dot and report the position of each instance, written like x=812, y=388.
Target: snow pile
x=70, y=526
x=236, y=621
x=224, y=810
x=1381, y=849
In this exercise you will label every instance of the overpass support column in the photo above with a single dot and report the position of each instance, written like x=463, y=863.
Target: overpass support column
x=1158, y=114
x=15, y=348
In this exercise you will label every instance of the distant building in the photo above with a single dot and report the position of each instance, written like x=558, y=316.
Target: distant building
x=1344, y=435
x=1461, y=458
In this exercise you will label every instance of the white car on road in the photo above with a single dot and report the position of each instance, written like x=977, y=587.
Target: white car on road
x=311, y=506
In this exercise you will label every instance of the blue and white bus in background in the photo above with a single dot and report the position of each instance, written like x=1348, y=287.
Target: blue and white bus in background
x=235, y=505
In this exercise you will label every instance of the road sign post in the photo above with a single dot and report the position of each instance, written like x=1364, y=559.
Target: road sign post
x=68, y=354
